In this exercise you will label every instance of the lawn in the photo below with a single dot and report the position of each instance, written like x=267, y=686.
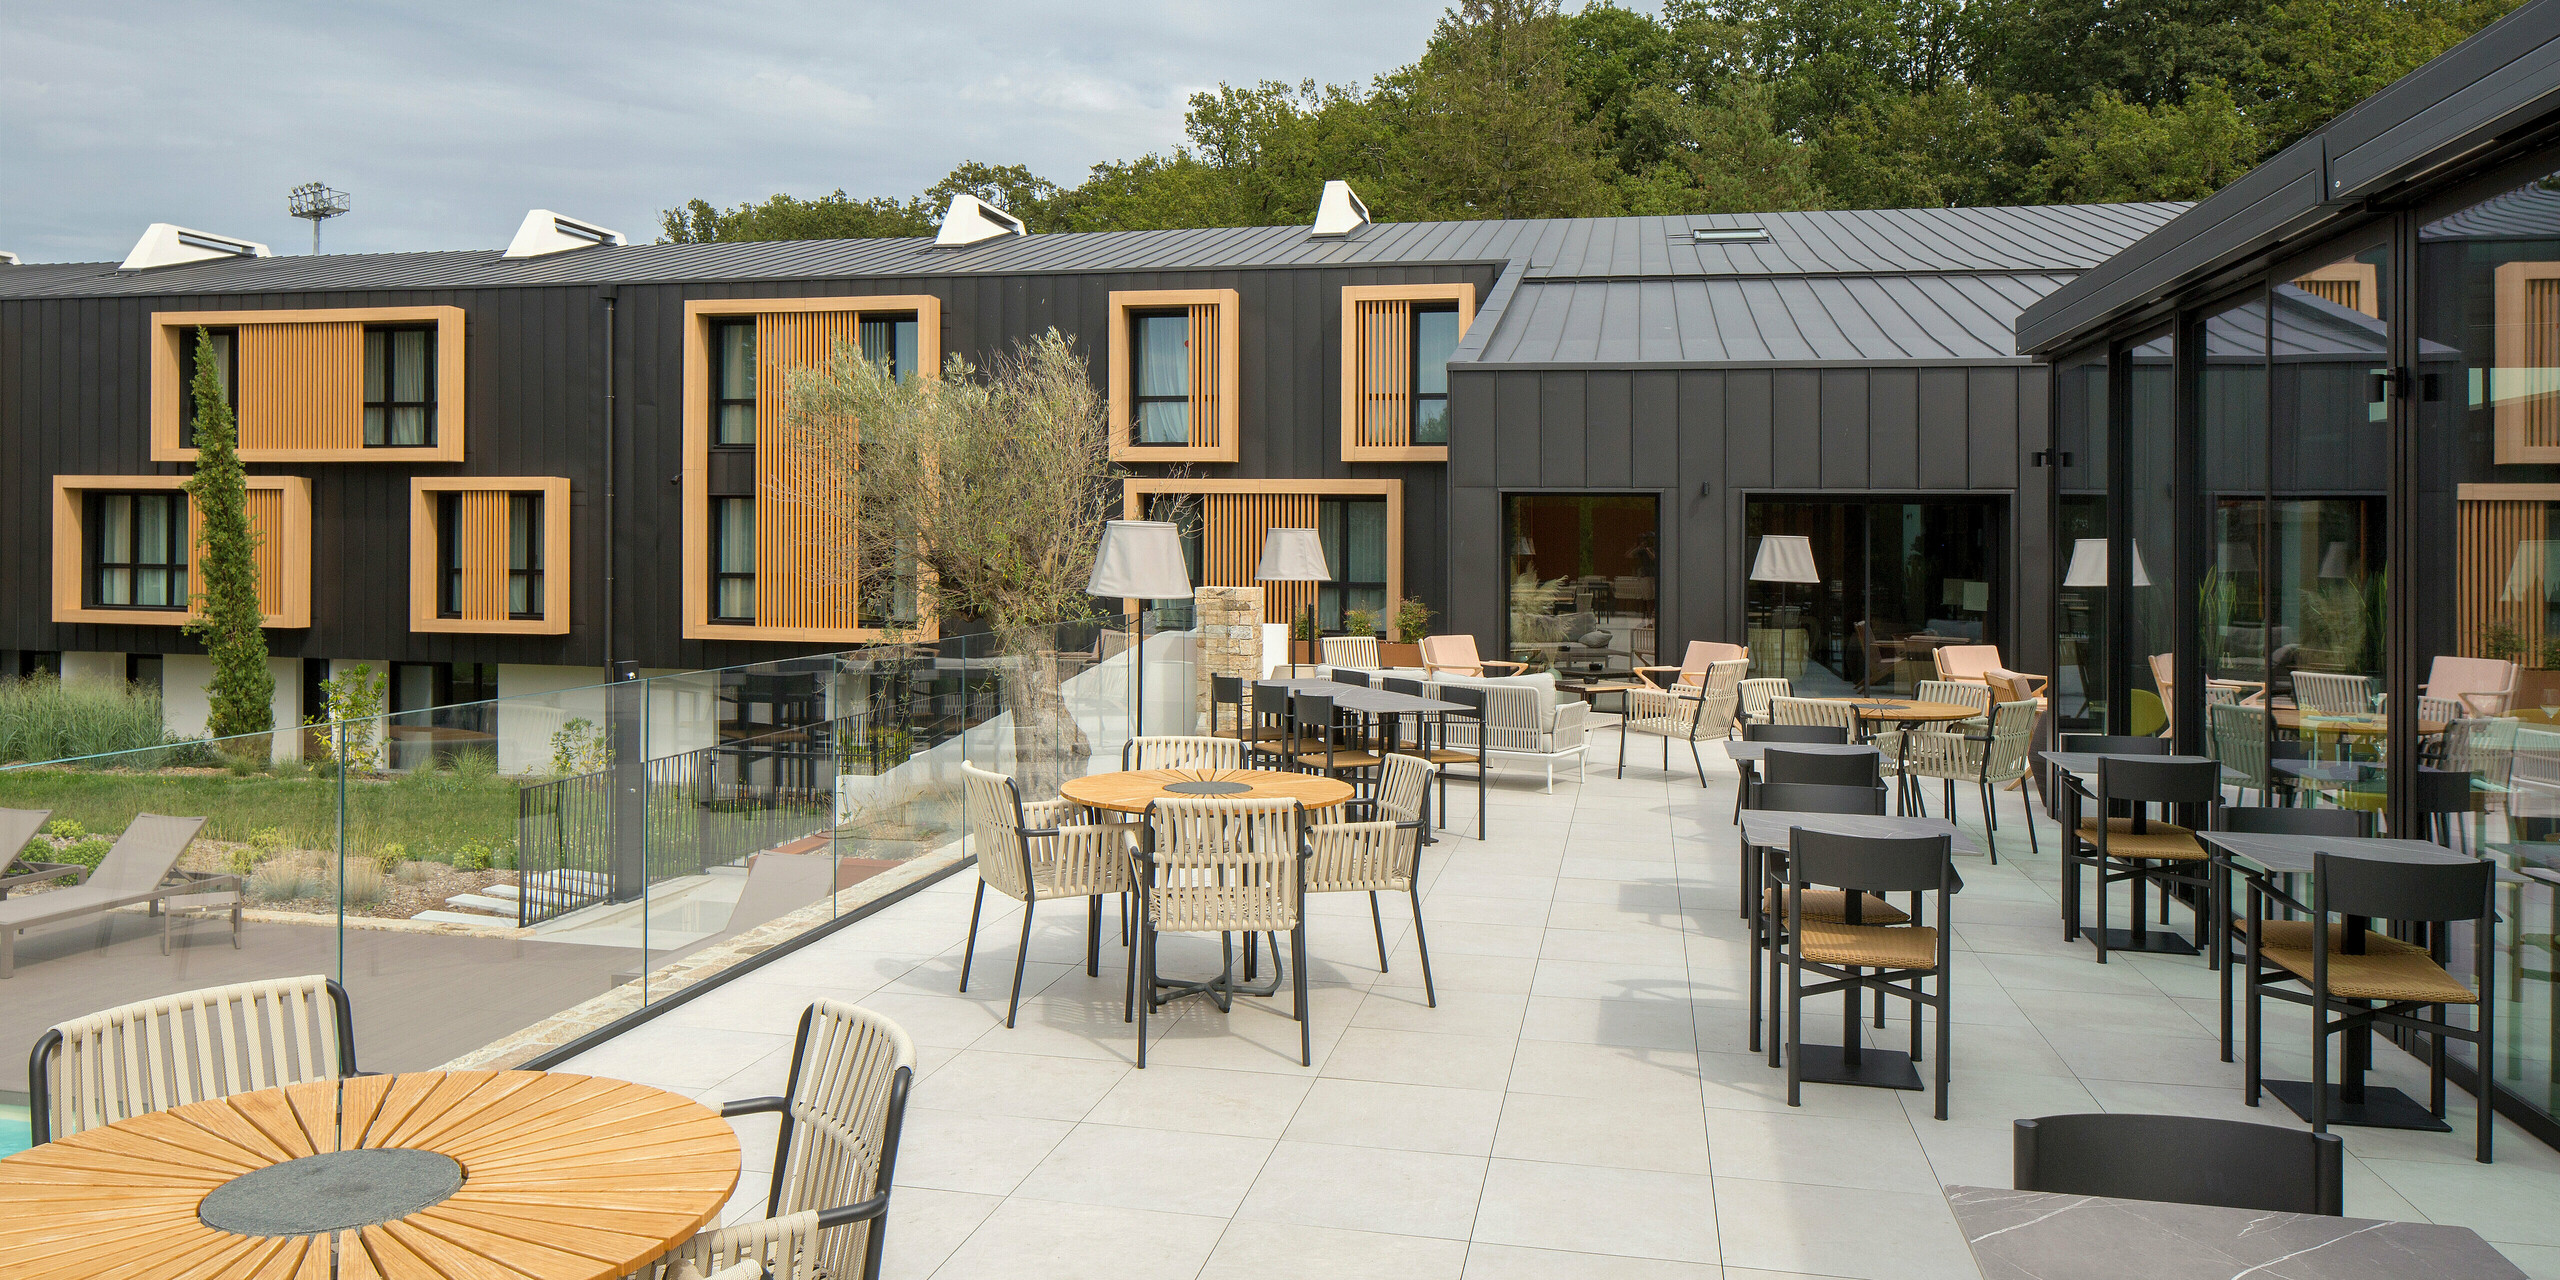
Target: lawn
x=431, y=814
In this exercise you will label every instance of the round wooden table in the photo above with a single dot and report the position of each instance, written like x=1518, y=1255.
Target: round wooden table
x=1132, y=792
x=560, y=1177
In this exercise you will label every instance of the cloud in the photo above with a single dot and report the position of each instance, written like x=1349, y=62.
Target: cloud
x=447, y=123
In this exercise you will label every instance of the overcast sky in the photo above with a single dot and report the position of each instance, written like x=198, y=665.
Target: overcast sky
x=446, y=122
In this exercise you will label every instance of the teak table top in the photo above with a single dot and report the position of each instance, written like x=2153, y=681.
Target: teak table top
x=1908, y=710
x=1132, y=792
x=565, y=1177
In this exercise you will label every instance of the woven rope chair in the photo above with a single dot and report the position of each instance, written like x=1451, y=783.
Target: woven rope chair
x=1351, y=651
x=1757, y=694
x=1993, y=756
x=782, y=1248
x=2329, y=693
x=1165, y=752
x=1224, y=867
x=1822, y=711
x=1667, y=714
x=1032, y=853
x=156, y=1054
x=837, y=1152
x=1379, y=854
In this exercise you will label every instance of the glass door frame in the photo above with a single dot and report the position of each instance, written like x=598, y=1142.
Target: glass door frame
x=1667, y=646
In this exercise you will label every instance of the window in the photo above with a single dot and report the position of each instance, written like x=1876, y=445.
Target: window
x=1435, y=339
x=733, y=559
x=1163, y=376
x=1354, y=534
x=733, y=382
x=138, y=552
x=525, y=532
x=891, y=340
x=399, y=387
x=143, y=669
x=1584, y=586
x=226, y=366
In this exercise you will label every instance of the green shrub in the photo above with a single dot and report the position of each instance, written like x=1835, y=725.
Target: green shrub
x=281, y=879
x=475, y=765
x=87, y=852
x=65, y=828
x=363, y=880
x=45, y=718
x=268, y=841
x=390, y=855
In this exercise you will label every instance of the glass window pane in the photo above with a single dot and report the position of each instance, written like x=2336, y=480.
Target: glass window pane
x=1435, y=339
x=151, y=522
x=2149, y=491
x=376, y=355
x=2082, y=644
x=1164, y=355
x=904, y=349
x=115, y=586
x=151, y=587
x=1365, y=536
x=408, y=427
x=737, y=535
x=373, y=426
x=1431, y=421
x=737, y=362
x=737, y=424
x=222, y=359
x=115, y=528
x=1164, y=422
x=177, y=586
x=1583, y=590
x=524, y=526
x=409, y=365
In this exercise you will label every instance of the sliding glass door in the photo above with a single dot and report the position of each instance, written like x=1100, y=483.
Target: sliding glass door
x=1855, y=596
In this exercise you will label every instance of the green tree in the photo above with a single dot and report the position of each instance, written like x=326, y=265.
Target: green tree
x=1493, y=125
x=834, y=216
x=1725, y=154
x=229, y=621
x=2119, y=150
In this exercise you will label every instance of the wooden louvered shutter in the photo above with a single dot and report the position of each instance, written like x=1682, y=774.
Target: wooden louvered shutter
x=1384, y=396
x=1233, y=526
x=266, y=523
x=2491, y=590
x=1204, y=371
x=802, y=537
x=301, y=386
x=2525, y=385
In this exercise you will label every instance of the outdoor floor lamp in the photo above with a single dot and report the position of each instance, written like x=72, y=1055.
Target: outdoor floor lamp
x=1140, y=559
x=1293, y=555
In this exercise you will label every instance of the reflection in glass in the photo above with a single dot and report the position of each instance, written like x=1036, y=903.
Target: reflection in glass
x=1896, y=581
x=2082, y=625
x=1583, y=582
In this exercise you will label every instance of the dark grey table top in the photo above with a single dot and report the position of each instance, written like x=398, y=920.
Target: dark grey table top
x=1758, y=750
x=1369, y=701
x=2293, y=853
x=2032, y=1235
x=2085, y=763
x=1769, y=827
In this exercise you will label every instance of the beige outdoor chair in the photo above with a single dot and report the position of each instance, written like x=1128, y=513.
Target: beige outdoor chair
x=155, y=1054
x=1841, y=715
x=1965, y=661
x=137, y=870
x=1962, y=693
x=1224, y=867
x=2481, y=686
x=1036, y=852
x=1379, y=854
x=782, y=1248
x=1756, y=693
x=1693, y=666
x=1668, y=715
x=837, y=1153
x=1456, y=655
x=1986, y=756
x=2331, y=693
x=1167, y=752
x=1351, y=651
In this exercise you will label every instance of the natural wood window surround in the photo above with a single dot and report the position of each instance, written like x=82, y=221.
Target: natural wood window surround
x=2525, y=385
x=1378, y=368
x=1235, y=514
x=279, y=516
x=300, y=385
x=1212, y=373
x=482, y=544
x=2353, y=285
x=799, y=596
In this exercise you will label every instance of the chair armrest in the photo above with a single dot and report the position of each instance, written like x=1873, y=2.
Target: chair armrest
x=750, y=1106
x=1516, y=667
x=1646, y=674
x=851, y=1213
x=35, y=873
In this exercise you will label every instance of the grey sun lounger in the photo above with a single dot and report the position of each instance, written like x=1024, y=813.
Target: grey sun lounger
x=135, y=870
x=18, y=828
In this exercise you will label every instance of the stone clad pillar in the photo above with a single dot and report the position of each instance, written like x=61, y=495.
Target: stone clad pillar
x=1229, y=622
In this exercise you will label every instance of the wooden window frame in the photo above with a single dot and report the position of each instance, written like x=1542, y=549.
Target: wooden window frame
x=699, y=313
x=93, y=565
x=426, y=562
x=1226, y=390
x=169, y=381
x=389, y=405
x=1135, y=491
x=71, y=552
x=2512, y=414
x=1355, y=362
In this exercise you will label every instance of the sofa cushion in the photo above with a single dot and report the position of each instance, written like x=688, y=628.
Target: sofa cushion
x=1544, y=682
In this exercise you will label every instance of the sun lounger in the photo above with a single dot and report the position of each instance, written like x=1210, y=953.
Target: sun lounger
x=137, y=869
x=18, y=828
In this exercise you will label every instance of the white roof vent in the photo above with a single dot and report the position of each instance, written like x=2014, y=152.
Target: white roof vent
x=1728, y=235
x=8, y=259
x=545, y=232
x=167, y=245
x=971, y=220
x=1340, y=212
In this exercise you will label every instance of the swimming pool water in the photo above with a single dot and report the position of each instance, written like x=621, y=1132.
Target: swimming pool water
x=13, y=1130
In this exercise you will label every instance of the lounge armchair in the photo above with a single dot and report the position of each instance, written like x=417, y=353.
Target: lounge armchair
x=138, y=869
x=1456, y=655
x=1692, y=670
x=1359, y=652
x=18, y=828
x=2482, y=686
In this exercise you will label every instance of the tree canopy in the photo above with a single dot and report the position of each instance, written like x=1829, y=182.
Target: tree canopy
x=1516, y=108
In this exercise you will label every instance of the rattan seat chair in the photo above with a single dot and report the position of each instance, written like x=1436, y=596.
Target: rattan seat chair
x=1814, y=711
x=1170, y=752
x=152, y=1055
x=837, y=1152
x=1907, y=961
x=1667, y=714
x=2381, y=987
x=1763, y=903
x=1226, y=867
x=2140, y=849
x=1379, y=854
x=2229, y=1164
x=783, y=1248
x=1994, y=755
x=1757, y=692
x=1033, y=853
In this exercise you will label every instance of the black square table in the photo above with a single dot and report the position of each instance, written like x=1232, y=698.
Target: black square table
x=2080, y=771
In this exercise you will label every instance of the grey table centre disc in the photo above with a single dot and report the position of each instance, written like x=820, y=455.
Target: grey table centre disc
x=333, y=1191
x=1207, y=788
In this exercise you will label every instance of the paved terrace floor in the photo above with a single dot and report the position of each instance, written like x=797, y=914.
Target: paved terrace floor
x=1579, y=1107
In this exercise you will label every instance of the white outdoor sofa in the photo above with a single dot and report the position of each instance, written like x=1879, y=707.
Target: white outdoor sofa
x=1523, y=720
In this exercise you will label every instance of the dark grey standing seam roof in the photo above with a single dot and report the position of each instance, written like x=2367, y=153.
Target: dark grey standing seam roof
x=1871, y=285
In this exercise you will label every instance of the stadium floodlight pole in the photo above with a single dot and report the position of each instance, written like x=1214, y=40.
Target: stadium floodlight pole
x=318, y=203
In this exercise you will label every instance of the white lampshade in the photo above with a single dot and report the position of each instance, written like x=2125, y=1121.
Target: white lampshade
x=1292, y=555
x=2530, y=577
x=1785, y=557
x=2088, y=566
x=2333, y=562
x=1140, y=559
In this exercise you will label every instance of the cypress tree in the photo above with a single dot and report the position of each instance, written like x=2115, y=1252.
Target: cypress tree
x=228, y=620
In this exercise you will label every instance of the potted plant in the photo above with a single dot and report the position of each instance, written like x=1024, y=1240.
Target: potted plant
x=2538, y=679
x=1302, y=639
x=1412, y=623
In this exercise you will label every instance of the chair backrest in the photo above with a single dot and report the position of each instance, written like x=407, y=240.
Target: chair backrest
x=1403, y=784
x=1712, y=714
x=2481, y=746
x=2013, y=737
x=1455, y=652
x=1345, y=675
x=995, y=819
x=2160, y=781
x=143, y=855
x=2240, y=741
x=1270, y=709
x=2294, y=820
x=1401, y=684
x=1814, y=711
x=1223, y=866
x=1312, y=713
x=155, y=1054
x=1877, y=864
x=2332, y=693
x=2011, y=686
x=1830, y=733
x=783, y=1248
x=1167, y=752
x=2445, y=791
x=845, y=1106
x=1702, y=654
x=1724, y=675
x=1963, y=693
x=1757, y=692
x=2182, y=1160
x=1226, y=692
x=2342, y=884
x=1351, y=651
x=2490, y=683
x=17, y=827
x=1470, y=697
x=1823, y=768
x=1966, y=661
x=2116, y=744
x=1807, y=797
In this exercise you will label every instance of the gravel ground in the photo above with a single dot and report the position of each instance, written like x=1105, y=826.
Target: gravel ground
x=399, y=901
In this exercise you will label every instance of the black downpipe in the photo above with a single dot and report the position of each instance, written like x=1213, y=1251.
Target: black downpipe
x=612, y=304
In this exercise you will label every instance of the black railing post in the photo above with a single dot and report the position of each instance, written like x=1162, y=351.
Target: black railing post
x=627, y=713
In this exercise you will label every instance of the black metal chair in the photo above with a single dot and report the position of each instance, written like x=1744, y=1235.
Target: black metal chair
x=1319, y=747
x=2229, y=1164
x=2376, y=980
x=2274, y=821
x=1347, y=675
x=1227, y=704
x=1760, y=900
x=1444, y=755
x=1855, y=769
x=2116, y=744
x=2447, y=801
x=841, y=1114
x=1274, y=741
x=1823, y=733
x=2149, y=853
x=1854, y=955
